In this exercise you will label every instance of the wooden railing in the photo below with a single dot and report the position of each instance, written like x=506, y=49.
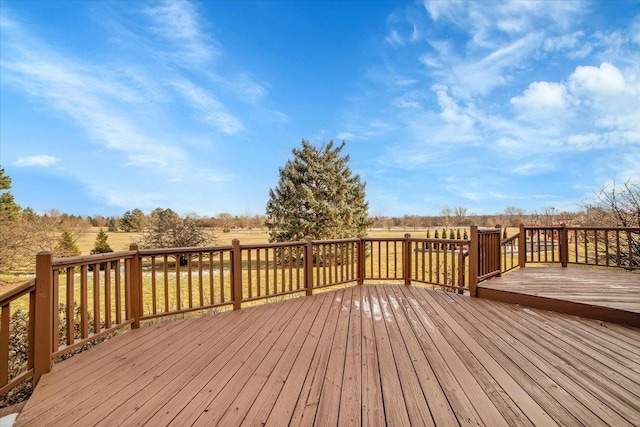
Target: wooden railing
x=19, y=368
x=594, y=246
x=75, y=301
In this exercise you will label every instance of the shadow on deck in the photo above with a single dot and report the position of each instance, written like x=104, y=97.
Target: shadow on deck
x=603, y=294
x=364, y=355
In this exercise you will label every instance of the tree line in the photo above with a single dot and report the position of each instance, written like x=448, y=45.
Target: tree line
x=317, y=195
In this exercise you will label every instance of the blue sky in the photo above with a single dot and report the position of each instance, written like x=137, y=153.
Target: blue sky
x=111, y=106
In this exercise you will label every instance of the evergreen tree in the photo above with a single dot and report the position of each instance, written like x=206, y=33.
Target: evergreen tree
x=9, y=209
x=317, y=196
x=101, y=246
x=133, y=221
x=112, y=224
x=67, y=246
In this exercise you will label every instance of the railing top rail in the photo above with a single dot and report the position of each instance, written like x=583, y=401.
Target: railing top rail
x=489, y=230
x=274, y=245
x=185, y=250
x=91, y=259
x=433, y=240
x=334, y=241
x=383, y=239
x=578, y=227
x=17, y=292
x=510, y=239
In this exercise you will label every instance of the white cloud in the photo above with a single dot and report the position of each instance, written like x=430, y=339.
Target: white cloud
x=212, y=111
x=43, y=160
x=545, y=97
x=606, y=79
x=178, y=25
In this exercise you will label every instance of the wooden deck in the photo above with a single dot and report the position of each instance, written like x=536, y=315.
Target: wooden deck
x=365, y=355
x=604, y=294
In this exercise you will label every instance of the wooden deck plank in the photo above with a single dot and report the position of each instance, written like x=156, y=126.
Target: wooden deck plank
x=350, y=404
x=595, y=375
x=553, y=352
x=328, y=408
x=459, y=400
x=372, y=406
x=414, y=397
x=190, y=401
x=506, y=389
x=165, y=375
x=274, y=368
x=287, y=378
x=395, y=406
x=368, y=355
x=437, y=402
x=505, y=349
x=106, y=370
x=308, y=400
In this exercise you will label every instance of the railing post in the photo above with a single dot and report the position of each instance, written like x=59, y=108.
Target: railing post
x=406, y=259
x=563, y=241
x=308, y=265
x=43, y=319
x=522, y=247
x=474, y=260
x=134, y=282
x=361, y=260
x=498, y=250
x=236, y=274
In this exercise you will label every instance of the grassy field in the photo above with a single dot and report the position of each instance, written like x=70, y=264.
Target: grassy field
x=121, y=241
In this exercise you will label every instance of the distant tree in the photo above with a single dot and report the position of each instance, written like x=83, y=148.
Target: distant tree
x=166, y=229
x=225, y=221
x=67, y=246
x=113, y=224
x=445, y=214
x=22, y=232
x=549, y=214
x=9, y=209
x=460, y=214
x=101, y=246
x=317, y=196
x=133, y=221
x=618, y=205
x=513, y=216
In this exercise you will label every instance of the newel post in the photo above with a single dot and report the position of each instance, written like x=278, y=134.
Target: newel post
x=308, y=265
x=361, y=259
x=522, y=247
x=474, y=260
x=563, y=241
x=134, y=282
x=236, y=274
x=498, y=251
x=43, y=319
x=406, y=259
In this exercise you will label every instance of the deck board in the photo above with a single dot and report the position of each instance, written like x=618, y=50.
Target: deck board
x=364, y=355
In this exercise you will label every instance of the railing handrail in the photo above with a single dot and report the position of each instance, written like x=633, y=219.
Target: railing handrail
x=91, y=259
x=19, y=291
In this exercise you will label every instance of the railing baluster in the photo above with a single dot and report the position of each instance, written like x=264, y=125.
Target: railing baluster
x=107, y=295
x=84, y=300
x=4, y=344
x=69, y=307
x=118, y=284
